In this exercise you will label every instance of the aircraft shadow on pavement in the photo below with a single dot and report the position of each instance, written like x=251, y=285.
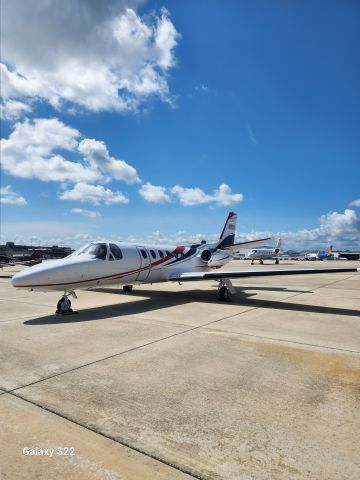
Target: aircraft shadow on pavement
x=156, y=300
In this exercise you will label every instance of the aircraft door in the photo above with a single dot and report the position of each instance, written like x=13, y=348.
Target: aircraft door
x=145, y=264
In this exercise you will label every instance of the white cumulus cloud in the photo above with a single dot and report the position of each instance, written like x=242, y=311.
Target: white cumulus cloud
x=30, y=152
x=98, y=156
x=13, y=110
x=7, y=195
x=342, y=230
x=33, y=149
x=355, y=203
x=95, y=194
x=195, y=196
x=224, y=196
x=334, y=224
x=190, y=196
x=96, y=55
x=345, y=234
x=85, y=213
x=154, y=193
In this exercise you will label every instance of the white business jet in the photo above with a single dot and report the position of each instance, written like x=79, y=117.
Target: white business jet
x=262, y=254
x=105, y=263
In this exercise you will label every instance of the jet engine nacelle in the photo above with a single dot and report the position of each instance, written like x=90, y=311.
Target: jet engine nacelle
x=214, y=258
x=206, y=255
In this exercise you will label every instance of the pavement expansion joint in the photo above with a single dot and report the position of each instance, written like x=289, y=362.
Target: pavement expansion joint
x=180, y=468
x=124, y=352
x=283, y=340
x=198, y=327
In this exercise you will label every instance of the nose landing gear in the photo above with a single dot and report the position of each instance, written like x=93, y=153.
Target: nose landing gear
x=64, y=304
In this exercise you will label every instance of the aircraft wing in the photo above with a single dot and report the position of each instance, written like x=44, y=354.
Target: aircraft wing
x=193, y=276
x=247, y=244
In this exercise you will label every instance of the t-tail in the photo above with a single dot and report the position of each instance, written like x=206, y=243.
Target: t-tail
x=227, y=236
x=278, y=246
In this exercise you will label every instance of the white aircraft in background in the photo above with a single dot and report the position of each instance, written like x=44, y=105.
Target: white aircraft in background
x=262, y=254
x=108, y=263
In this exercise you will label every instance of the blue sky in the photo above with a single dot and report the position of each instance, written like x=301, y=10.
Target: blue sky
x=259, y=97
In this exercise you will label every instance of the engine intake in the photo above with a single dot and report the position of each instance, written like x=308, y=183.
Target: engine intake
x=206, y=255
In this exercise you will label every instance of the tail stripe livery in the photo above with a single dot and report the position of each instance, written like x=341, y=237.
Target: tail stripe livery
x=227, y=236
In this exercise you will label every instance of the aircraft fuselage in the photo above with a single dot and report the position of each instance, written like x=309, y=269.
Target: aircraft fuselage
x=136, y=264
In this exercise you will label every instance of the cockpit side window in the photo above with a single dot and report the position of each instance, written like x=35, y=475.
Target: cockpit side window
x=115, y=250
x=99, y=250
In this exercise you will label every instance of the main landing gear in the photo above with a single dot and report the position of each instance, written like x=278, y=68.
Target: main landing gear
x=64, y=304
x=225, y=290
x=127, y=288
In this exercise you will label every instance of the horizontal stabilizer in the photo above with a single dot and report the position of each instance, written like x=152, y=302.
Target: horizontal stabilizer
x=250, y=243
x=193, y=276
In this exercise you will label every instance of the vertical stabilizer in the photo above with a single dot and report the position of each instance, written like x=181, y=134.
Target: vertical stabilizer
x=278, y=246
x=227, y=236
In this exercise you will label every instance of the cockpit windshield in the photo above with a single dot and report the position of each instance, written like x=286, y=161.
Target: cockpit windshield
x=100, y=250
x=97, y=250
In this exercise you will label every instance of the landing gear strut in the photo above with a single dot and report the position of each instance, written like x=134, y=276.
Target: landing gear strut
x=261, y=262
x=64, y=304
x=225, y=289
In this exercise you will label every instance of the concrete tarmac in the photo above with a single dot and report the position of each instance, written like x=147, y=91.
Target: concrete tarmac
x=169, y=383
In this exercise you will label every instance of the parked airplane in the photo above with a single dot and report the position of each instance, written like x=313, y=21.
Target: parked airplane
x=262, y=254
x=320, y=255
x=27, y=260
x=104, y=263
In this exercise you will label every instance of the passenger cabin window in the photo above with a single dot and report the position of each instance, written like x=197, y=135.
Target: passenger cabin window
x=153, y=254
x=116, y=252
x=161, y=254
x=143, y=253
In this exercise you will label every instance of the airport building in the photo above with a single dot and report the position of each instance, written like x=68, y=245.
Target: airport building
x=10, y=249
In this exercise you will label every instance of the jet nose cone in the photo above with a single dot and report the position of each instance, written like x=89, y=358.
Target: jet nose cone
x=18, y=280
x=28, y=276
